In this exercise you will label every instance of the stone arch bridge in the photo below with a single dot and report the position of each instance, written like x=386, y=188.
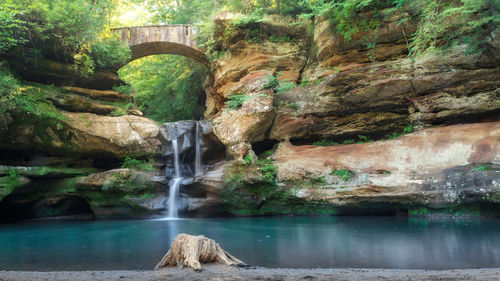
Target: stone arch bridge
x=176, y=39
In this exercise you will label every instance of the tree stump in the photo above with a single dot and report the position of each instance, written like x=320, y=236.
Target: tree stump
x=190, y=251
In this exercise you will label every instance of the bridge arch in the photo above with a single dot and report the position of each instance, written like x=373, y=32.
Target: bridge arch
x=176, y=39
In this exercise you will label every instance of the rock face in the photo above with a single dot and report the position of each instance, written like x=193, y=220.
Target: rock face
x=339, y=91
x=437, y=168
x=348, y=90
x=245, y=70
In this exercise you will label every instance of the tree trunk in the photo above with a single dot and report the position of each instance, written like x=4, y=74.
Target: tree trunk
x=191, y=251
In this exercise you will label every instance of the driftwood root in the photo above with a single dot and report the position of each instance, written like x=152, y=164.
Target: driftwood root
x=191, y=251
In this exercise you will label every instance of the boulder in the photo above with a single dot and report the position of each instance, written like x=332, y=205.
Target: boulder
x=237, y=129
x=80, y=133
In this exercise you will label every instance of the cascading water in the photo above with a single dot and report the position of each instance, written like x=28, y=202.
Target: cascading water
x=173, y=209
x=181, y=137
x=173, y=194
x=198, y=169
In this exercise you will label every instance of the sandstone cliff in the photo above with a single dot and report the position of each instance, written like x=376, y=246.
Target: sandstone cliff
x=336, y=93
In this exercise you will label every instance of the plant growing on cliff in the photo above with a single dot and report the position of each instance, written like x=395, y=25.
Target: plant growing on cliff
x=325, y=142
x=139, y=165
x=235, y=101
x=13, y=174
x=268, y=170
x=406, y=130
x=271, y=82
x=344, y=174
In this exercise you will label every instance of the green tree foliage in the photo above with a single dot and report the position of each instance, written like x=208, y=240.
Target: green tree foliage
x=446, y=23
x=167, y=87
x=443, y=23
x=12, y=29
x=73, y=31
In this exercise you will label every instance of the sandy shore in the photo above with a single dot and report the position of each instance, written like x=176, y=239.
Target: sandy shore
x=219, y=273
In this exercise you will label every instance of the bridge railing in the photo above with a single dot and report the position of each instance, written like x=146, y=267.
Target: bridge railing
x=174, y=33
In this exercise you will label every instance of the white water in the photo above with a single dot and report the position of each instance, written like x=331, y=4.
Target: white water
x=198, y=169
x=173, y=194
x=177, y=167
x=172, y=198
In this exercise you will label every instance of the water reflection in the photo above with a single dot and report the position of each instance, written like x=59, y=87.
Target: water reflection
x=370, y=242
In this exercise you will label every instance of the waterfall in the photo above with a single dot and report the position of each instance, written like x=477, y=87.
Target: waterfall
x=185, y=138
x=177, y=166
x=173, y=194
x=172, y=198
x=198, y=169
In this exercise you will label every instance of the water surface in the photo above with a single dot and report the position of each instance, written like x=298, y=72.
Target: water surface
x=305, y=242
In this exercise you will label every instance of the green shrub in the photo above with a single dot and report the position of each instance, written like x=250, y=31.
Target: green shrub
x=8, y=84
x=407, y=130
x=13, y=174
x=268, y=170
x=284, y=86
x=305, y=82
x=109, y=53
x=139, y=165
x=271, y=82
x=344, y=174
x=235, y=101
x=325, y=142
x=12, y=29
x=124, y=89
x=118, y=112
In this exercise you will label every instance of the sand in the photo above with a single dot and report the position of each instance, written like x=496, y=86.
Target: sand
x=223, y=273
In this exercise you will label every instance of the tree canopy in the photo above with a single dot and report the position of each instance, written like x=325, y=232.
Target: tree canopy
x=169, y=88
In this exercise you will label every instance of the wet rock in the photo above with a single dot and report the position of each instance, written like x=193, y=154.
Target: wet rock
x=212, y=149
